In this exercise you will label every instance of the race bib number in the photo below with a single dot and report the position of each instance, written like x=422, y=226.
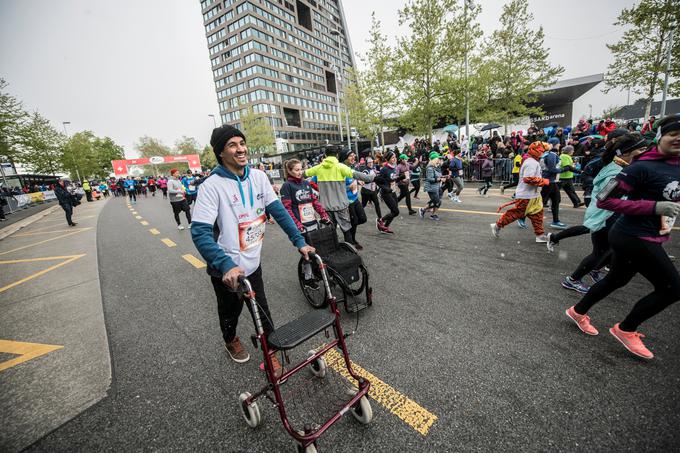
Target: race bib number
x=192, y=187
x=251, y=234
x=460, y=172
x=306, y=211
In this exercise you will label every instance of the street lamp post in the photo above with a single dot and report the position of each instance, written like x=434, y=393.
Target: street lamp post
x=668, y=70
x=214, y=121
x=339, y=67
x=64, y=123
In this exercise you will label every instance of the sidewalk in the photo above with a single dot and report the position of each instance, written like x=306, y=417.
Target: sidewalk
x=22, y=214
x=54, y=353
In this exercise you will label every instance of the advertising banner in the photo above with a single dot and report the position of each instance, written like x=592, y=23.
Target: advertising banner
x=37, y=197
x=120, y=167
x=22, y=200
x=49, y=195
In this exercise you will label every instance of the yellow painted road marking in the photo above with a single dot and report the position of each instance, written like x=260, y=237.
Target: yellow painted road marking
x=36, y=233
x=464, y=211
x=26, y=351
x=144, y=222
x=67, y=260
x=191, y=259
x=168, y=242
x=135, y=212
x=138, y=217
x=46, y=240
x=63, y=220
x=154, y=231
x=410, y=412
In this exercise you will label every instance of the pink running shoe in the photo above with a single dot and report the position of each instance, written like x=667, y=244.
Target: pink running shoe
x=632, y=342
x=582, y=321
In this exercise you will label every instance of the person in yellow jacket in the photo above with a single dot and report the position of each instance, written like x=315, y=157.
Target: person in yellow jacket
x=87, y=189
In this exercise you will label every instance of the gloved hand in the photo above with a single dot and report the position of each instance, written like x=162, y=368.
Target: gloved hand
x=326, y=221
x=667, y=208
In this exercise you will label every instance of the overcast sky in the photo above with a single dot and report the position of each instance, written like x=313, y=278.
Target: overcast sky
x=129, y=68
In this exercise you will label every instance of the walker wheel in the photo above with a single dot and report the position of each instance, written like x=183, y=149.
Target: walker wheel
x=251, y=413
x=362, y=411
x=317, y=367
x=311, y=448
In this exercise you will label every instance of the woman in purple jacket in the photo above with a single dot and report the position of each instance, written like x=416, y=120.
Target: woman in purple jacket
x=646, y=194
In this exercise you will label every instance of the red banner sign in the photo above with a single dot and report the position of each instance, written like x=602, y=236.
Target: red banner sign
x=120, y=167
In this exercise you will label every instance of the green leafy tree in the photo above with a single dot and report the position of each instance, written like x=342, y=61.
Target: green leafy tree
x=355, y=101
x=513, y=89
x=259, y=133
x=106, y=150
x=40, y=144
x=207, y=156
x=79, y=157
x=187, y=145
x=12, y=116
x=150, y=147
x=424, y=59
x=640, y=54
x=375, y=85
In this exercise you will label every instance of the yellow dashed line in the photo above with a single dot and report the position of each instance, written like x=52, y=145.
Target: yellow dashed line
x=154, y=231
x=410, y=412
x=138, y=217
x=168, y=242
x=191, y=259
x=134, y=212
x=144, y=222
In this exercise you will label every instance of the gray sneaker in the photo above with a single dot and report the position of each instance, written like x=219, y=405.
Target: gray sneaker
x=495, y=230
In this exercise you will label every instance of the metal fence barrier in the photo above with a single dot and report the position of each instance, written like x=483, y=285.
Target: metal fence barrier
x=25, y=201
x=502, y=170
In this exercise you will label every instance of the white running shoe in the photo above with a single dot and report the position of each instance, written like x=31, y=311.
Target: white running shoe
x=495, y=230
x=550, y=244
x=189, y=226
x=180, y=227
x=542, y=239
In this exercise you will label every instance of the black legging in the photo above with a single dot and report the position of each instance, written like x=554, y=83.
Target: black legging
x=404, y=193
x=132, y=193
x=390, y=200
x=632, y=255
x=600, y=255
x=372, y=196
x=578, y=230
x=552, y=192
x=179, y=206
x=416, y=187
x=357, y=216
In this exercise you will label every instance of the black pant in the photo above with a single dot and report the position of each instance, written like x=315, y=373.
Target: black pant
x=598, y=257
x=552, y=192
x=191, y=198
x=404, y=193
x=132, y=194
x=68, y=209
x=372, y=196
x=578, y=230
x=568, y=186
x=357, y=216
x=513, y=183
x=416, y=187
x=487, y=184
x=390, y=200
x=230, y=305
x=179, y=206
x=632, y=255
x=88, y=195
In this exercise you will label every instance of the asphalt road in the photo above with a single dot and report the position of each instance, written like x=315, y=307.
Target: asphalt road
x=469, y=327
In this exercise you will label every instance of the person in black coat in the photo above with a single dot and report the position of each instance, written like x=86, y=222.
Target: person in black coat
x=65, y=201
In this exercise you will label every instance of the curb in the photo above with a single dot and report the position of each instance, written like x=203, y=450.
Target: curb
x=13, y=228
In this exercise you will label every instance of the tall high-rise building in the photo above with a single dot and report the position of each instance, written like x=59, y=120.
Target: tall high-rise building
x=285, y=59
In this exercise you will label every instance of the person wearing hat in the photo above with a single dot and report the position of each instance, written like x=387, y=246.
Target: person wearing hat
x=550, y=166
x=647, y=196
x=527, y=202
x=404, y=167
x=433, y=180
x=331, y=176
x=234, y=199
x=387, y=181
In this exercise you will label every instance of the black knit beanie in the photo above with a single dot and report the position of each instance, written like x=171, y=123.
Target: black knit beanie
x=220, y=136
